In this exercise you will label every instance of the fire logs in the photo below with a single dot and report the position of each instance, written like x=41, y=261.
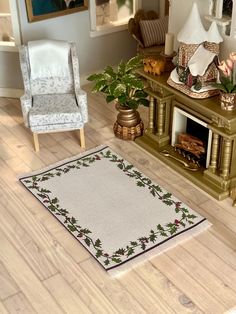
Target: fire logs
x=190, y=144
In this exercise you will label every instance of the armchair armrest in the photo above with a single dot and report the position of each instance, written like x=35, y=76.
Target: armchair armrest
x=26, y=104
x=24, y=64
x=81, y=97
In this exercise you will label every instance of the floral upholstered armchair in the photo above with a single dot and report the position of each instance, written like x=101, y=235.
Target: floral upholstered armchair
x=53, y=100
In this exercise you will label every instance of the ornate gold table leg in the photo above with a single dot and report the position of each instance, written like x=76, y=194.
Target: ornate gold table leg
x=233, y=195
x=151, y=114
x=214, y=153
x=160, y=121
x=226, y=158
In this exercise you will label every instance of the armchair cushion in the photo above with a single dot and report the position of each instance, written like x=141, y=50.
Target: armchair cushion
x=52, y=85
x=153, y=31
x=81, y=97
x=49, y=112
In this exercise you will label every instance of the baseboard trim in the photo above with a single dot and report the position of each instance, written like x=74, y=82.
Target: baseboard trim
x=11, y=92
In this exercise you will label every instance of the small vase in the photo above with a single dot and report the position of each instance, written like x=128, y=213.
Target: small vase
x=127, y=116
x=228, y=101
x=129, y=124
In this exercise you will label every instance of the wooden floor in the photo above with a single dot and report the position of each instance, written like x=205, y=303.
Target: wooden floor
x=43, y=269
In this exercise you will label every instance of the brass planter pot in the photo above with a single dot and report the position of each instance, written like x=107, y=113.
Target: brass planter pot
x=128, y=125
x=228, y=101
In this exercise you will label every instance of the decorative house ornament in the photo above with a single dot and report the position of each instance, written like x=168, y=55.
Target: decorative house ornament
x=196, y=70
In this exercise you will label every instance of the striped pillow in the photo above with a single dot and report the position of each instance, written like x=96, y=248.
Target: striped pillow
x=153, y=31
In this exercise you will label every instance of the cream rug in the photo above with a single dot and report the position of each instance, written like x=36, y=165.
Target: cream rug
x=115, y=211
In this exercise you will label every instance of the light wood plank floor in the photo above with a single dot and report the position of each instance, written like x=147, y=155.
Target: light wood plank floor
x=43, y=269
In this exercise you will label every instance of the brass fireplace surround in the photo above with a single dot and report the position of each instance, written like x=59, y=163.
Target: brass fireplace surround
x=219, y=179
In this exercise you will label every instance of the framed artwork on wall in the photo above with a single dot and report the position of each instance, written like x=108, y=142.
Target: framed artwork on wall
x=38, y=10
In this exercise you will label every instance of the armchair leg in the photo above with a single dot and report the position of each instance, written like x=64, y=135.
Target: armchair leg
x=82, y=138
x=36, y=142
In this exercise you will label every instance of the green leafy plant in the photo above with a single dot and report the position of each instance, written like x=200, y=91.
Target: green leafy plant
x=227, y=76
x=121, y=85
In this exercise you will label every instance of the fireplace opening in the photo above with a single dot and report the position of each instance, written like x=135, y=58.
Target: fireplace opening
x=191, y=137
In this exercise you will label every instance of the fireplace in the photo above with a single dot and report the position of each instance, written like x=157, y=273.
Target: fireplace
x=185, y=123
x=171, y=114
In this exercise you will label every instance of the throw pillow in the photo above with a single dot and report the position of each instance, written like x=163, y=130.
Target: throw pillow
x=153, y=31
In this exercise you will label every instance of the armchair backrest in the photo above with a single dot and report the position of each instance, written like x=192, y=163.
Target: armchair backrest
x=57, y=84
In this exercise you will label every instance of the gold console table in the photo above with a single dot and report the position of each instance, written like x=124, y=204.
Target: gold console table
x=219, y=178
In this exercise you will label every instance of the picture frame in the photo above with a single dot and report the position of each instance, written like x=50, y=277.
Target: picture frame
x=38, y=10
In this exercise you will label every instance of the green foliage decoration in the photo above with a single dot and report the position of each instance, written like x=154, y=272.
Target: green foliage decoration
x=226, y=85
x=121, y=85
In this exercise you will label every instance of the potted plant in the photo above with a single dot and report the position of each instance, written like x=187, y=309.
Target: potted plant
x=127, y=90
x=227, y=84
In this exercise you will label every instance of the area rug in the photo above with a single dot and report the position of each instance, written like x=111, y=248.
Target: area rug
x=116, y=212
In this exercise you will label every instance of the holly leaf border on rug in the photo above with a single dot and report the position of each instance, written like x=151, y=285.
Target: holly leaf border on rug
x=83, y=233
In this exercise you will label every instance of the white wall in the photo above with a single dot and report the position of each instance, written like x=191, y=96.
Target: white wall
x=228, y=45
x=179, y=11
x=94, y=53
x=4, y=6
x=150, y=5
x=10, y=75
x=156, y=5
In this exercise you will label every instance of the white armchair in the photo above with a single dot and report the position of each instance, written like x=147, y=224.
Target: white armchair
x=53, y=101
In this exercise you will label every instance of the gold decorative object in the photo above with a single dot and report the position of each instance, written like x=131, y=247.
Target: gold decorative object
x=226, y=158
x=151, y=113
x=161, y=118
x=153, y=66
x=58, y=9
x=233, y=195
x=129, y=124
x=214, y=152
x=127, y=116
x=128, y=133
x=228, y=101
x=120, y=88
x=221, y=122
x=220, y=176
x=188, y=166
